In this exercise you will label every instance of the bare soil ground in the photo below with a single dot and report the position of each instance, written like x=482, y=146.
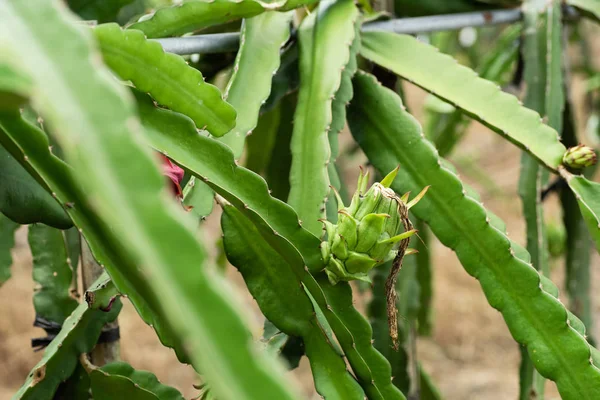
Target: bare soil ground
x=470, y=355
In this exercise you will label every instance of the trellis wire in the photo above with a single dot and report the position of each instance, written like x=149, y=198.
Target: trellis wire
x=225, y=42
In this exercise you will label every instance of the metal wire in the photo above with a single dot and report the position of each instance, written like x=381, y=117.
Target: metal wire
x=448, y=22
x=202, y=44
x=225, y=42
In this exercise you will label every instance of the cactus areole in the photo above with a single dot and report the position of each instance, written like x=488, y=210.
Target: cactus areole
x=368, y=232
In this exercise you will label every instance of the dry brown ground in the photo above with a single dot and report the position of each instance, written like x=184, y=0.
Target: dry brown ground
x=470, y=355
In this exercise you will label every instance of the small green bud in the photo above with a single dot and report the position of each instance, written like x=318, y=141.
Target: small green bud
x=579, y=156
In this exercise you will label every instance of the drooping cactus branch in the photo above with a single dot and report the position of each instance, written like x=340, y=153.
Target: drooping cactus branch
x=80, y=148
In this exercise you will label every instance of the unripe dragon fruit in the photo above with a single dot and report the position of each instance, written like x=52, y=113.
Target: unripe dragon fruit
x=368, y=231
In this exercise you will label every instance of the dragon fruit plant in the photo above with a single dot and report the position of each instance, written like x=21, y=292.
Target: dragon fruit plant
x=114, y=150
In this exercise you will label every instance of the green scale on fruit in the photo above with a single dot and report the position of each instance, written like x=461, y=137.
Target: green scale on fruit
x=368, y=231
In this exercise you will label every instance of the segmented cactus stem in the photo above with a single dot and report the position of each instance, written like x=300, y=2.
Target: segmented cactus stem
x=390, y=283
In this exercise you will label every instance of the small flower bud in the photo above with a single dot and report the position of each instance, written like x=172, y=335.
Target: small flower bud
x=579, y=156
